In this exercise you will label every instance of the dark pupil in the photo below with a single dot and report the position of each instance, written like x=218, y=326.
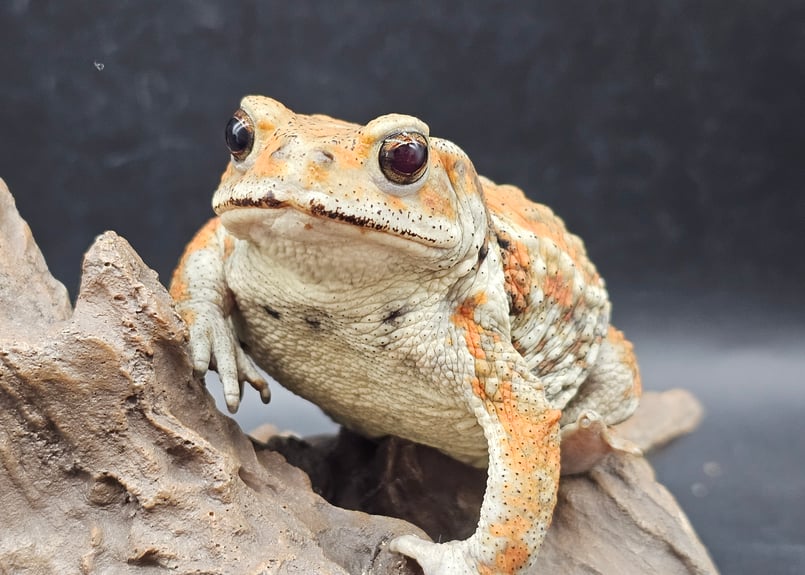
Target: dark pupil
x=407, y=158
x=238, y=137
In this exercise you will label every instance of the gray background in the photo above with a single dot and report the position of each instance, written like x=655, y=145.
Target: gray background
x=669, y=134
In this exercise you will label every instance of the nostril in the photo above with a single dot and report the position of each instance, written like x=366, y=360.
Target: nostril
x=323, y=157
x=279, y=153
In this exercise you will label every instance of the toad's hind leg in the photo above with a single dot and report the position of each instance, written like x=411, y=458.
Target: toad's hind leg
x=612, y=389
x=609, y=395
x=521, y=430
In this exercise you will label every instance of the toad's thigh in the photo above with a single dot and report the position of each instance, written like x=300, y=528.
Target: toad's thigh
x=612, y=388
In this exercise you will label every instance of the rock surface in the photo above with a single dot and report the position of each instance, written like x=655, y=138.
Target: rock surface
x=115, y=460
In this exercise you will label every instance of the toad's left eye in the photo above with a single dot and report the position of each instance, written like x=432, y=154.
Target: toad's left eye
x=239, y=134
x=403, y=157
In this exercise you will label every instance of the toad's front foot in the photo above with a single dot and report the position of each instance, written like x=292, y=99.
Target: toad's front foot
x=451, y=558
x=213, y=345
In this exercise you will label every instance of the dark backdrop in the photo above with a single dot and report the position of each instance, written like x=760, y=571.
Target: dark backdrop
x=669, y=134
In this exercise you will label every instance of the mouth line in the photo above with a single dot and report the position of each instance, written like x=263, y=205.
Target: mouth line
x=267, y=201
x=319, y=211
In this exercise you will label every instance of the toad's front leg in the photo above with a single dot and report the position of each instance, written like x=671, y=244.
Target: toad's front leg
x=522, y=431
x=203, y=300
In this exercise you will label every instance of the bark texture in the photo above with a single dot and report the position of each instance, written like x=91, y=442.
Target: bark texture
x=615, y=519
x=114, y=459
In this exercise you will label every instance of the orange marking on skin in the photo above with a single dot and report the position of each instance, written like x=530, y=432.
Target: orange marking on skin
x=516, y=273
x=464, y=317
x=337, y=137
x=265, y=126
x=228, y=173
x=347, y=159
x=522, y=429
x=318, y=174
x=178, y=287
x=510, y=204
x=435, y=202
x=229, y=246
x=396, y=202
x=533, y=444
x=516, y=554
x=205, y=236
x=529, y=445
x=477, y=388
x=203, y=239
x=267, y=166
x=188, y=315
x=559, y=289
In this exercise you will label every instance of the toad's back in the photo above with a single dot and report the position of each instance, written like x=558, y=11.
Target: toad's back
x=558, y=303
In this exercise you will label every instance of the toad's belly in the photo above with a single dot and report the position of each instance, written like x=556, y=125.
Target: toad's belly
x=367, y=388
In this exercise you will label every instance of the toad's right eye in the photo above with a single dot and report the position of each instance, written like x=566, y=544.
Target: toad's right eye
x=239, y=134
x=404, y=157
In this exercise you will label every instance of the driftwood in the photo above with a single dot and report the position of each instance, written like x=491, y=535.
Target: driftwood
x=115, y=459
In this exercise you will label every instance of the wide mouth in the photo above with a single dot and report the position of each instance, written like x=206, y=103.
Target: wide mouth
x=298, y=213
x=267, y=201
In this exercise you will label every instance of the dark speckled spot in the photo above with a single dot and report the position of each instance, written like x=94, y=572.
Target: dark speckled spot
x=272, y=312
x=397, y=313
x=503, y=243
x=482, y=252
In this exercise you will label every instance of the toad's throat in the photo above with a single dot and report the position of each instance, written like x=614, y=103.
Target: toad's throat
x=318, y=210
